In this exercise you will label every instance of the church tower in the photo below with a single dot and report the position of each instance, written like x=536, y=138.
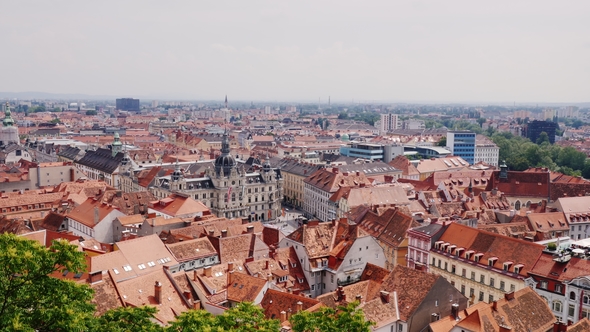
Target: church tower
x=117, y=146
x=8, y=131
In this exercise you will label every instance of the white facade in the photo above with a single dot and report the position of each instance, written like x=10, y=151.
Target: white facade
x=487, y=153
x=102, y=231
x=388, y=123
x=316, y=202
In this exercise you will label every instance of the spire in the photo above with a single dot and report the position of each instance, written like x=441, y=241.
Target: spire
x=470, y=186
x=226, y=101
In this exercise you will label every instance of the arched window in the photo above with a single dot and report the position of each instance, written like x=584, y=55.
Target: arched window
x=556, y=306
x=572, y=295
x=545, y=299
x=517, y=205
x=586, y=299
x=528, y=204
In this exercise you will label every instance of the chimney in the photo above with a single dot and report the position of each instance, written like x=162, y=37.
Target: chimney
x=504, y=328
x=230, y=277
x=455, y=311
x=158, y=292
x=207, y=271
x=384, y=296
x=495, y=306
x=187, y=295
x=283, y=316
x=271, y=252
x=196, y=304
x=559, y=327
x=269, y=277
x=96, y=217
x=509, y=296
x=95, y=277
x=299, y=306
x=335, y=170
x=359, y=298
x=224, y=233
x=230, y=266
x=267, y=264
x=211, y=232
x=195, y=275
x=250, y=229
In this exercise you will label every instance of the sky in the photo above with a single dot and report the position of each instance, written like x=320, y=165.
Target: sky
x=262, y=50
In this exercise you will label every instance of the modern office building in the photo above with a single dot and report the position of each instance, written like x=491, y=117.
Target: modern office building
x=535, y=128
x=127, y=104
x=461, y=143
x=372, y=151
x=389, y=122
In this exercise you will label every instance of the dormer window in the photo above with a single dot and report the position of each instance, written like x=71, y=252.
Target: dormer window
x=459, y=251
x=492, y=261
x=469, y=254
x=477, y=257
x=450, y=249
x=507, y=266
x=518, y=268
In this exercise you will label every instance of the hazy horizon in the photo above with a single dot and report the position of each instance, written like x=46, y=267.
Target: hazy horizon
x=372, y=52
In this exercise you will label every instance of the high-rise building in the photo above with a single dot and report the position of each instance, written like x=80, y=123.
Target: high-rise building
x=389, y=122
x=127, y=104
x=535, y=128
x=461, y=143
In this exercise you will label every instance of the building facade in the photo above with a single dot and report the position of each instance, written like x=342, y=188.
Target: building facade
x=388, y=123
x=127, y=104
x=228, y=191
x=462, y=144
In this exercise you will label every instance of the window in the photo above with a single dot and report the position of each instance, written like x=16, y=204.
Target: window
x=472, y=275
x=453, y=268
x=570, y=310
x=491, y=298
x=491, y=282
x=572, y=295
x=543, y=284
x=463, y=273
x=512, y=288
x=446, y=266
x=556, y=306
x=433, y=261
x=471, y=292
x=586, y=299
x=502, y=285
x=481, y=296
x=558, y=288
x=482, y=279
x=463, y=289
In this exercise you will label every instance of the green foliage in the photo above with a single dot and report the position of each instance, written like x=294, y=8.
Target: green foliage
x=345, y=318
x=442, y=141
x=128, y=319
x=551, y=246
x=520, y=153
x=56, y=120
x=245, y=317
x=56, y=109
x=32, y=300
x=543, y=138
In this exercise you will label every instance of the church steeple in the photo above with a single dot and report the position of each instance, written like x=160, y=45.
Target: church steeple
x=225, y=101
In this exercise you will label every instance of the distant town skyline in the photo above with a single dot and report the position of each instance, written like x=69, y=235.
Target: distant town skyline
x=379, y=51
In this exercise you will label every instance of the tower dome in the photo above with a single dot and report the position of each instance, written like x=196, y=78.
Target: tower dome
x=8, y=121
x=225, y=162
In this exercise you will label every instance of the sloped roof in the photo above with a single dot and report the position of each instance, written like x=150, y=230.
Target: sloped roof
x=275, y=301
x=102, y=160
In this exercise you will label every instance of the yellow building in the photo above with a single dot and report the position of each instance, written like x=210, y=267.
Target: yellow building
x=294, y=172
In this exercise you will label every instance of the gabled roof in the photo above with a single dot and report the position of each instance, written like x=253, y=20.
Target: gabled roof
x=331, y=179
x=316, y=238
x=176, y=205
x=492, y=245
x=86, y=212
x=244, y=288
x=390, y=227
x=192, y=249
x=523, y=184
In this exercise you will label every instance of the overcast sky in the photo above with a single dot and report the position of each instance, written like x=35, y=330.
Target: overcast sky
x=423, y=51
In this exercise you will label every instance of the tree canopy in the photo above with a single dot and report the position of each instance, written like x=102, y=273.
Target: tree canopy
x=32, y=300
x=344, y=318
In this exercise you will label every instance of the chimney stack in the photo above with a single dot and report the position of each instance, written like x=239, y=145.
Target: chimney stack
x=509, y=295
x=195, y=275
x=230, y=276
x=211, y=232
x=207, y=271
x=359, y=298
x=384, y=296
x=188, y=295
x=250, y=229
x=95, y=277
x=455, y=311
x=230, y=266
x=283, y=316
x=559, y=327
x=158, y=292
x=299, y=306
x=96, y=216
x=495, y=306
x=224, y=233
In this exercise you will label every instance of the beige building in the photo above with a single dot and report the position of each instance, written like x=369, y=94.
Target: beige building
x=483, y=265
x=294, y=172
